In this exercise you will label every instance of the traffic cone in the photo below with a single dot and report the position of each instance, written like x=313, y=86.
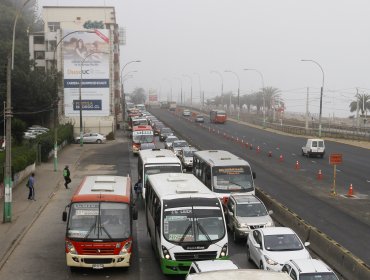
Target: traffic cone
x=251, y=147
x=269, y=154
x=281, y=158
x=258, y=149
x=297, y=166
x=350, y=191
x=319, y=175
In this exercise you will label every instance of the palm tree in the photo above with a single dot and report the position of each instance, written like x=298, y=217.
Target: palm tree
x=271, y=94
x=363, y=101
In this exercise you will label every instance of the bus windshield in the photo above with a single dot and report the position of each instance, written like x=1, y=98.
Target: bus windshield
x=197, y=224
x=99, y=220
x=232, y=179
x=143, y=136
x=155, y=169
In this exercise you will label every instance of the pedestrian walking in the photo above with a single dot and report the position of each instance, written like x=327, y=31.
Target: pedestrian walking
x=31, y=186
x=67, y=176
x=138, y=188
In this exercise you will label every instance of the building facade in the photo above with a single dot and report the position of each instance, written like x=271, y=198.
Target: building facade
x=82, y=44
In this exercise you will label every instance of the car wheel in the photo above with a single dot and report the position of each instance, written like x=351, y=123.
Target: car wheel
x=99, y=141
x=302, y=153
x=248, y=255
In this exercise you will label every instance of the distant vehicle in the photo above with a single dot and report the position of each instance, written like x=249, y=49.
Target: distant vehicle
x=92, y=137
x=99, y=223
x=199, y=119
x=132, y=113
x=157, y=127
x=224, y=173
x=186, y=113
x=185, y=221
x=177, y=145
x=147, y=146
x=141, y=134
x=186, y=157
x=139, y=121
x=311, y=269
x=164, y=132
x=169, y=141
x=217, y=116
x=140, y=107
x=172, y=105
x=238, y=274
x=244, y=213
x=269, y=248
x=314, y=147
x=211, y=265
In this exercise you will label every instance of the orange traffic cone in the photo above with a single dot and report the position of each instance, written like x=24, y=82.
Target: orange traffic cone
x=297, y=166
x=281, y=158
x=319, y=175
x=258, y=149
x=269, y=154
x=350, y=191
x=251, y=147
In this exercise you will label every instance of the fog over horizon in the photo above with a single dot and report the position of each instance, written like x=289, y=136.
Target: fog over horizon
x=174, y=38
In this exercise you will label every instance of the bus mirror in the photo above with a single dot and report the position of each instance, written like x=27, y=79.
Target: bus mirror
x=64, y=216
x=254, y=175
x=134, y=213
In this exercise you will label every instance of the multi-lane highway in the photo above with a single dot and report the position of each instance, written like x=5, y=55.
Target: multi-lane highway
x=346, y=220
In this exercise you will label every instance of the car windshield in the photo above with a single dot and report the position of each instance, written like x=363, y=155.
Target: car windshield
x=171, y=139
x=188, y=224
x=188, y=153
x=166, y=130
x=232, y=179
x=251, y=210
x=99, y=220
x=318, y=276
x=282, y=242
x=180, y=144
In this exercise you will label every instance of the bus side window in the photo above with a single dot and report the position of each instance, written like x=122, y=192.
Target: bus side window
x=157, y=218
x=208, y=177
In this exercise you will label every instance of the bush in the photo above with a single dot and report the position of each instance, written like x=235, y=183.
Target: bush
x=110, y=136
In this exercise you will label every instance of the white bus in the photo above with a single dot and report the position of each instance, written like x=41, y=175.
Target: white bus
x=157, y=161
x=223, y=173
x=185, y=221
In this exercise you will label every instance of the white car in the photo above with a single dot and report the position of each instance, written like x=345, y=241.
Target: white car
x=177, y=145
x=310, y=269
x=270, y=248
x=169, y=140
x=314, y=147
x=92, y=137
x=186, y=113
x=244, y=213
x=211, y=265
x=186, y=157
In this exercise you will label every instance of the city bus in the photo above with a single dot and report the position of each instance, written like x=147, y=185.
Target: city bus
x=217, y=116
x=141, y=134
x=157, y=161
x=131, y=114
x=99, y=223
x=223, y=173
x=185, y=221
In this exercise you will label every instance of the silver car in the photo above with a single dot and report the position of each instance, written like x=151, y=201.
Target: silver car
x=244, y=213
x=91, y=137
x=177, y=145
x=186, y=157
x=169, y=140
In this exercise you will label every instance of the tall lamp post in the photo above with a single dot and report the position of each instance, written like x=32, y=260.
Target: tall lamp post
x=122, y=88
x=263, y=93
x=191, y=88
x=180, y=88
x=200, y=90
x=80, y=95
x=7, y=214
x=321, y=91
x=222, y=85
x=236, y=75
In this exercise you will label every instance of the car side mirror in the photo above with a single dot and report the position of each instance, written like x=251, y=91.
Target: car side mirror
x=231, y=214
x=257, y=245
x=271, y=212
x=64, y=216
x=306, y=244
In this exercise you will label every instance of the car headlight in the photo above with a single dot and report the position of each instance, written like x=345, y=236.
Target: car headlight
x=270, y=224
x=70, y=248
x=242, y=225
x=166, y=253
x=270, y=261
x=224, y=251
x=126, y=248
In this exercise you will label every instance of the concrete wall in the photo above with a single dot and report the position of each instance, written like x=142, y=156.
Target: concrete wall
x=336, y=256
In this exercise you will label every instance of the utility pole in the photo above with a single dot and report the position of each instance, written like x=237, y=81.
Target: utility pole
x=307, y=109
x=358, y=110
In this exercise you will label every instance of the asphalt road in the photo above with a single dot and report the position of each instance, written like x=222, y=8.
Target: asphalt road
x=345, y=220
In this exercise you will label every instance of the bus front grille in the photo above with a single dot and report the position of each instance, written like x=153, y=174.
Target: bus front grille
x=196, y=256
x=98, y=261
x=97, y=251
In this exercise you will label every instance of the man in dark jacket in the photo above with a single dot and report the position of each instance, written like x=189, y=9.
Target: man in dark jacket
x=67, y=176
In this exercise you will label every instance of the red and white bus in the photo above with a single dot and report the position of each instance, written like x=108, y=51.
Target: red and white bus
x=141, y=134
x=99, y=223
x=217, y=116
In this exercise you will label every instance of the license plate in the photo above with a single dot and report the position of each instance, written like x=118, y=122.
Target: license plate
x=97, y=266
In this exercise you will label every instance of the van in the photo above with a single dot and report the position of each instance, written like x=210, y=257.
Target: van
x=211, y=265
x=314, y=147
x=237, y=274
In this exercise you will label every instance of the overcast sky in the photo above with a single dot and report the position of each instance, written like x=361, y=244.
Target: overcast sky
x=174, y=38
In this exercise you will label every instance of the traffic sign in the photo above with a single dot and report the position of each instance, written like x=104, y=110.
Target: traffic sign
x=335, y=159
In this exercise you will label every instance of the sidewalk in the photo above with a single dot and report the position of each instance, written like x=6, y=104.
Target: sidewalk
x=24, y=211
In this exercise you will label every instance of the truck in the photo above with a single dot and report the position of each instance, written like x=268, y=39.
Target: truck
x=172, y=105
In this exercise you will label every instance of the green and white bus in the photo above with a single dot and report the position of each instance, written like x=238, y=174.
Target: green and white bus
x=185, y=221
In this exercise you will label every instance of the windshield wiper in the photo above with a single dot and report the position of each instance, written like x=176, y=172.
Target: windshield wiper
x=203, y=230
x=105, y=230
x=91, y=228
x=185, y=233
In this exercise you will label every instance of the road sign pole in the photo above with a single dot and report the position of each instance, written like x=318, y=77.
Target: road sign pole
x=333, y=192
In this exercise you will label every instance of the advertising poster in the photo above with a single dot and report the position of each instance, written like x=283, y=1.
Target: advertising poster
x=86, y=65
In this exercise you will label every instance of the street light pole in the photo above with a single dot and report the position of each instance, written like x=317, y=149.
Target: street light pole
x=236, y=75
x=7, y=214
x=321, y=91
x=191, y=88
x=80, y=95
x=222, y=85
x=169, y=82
x=181, y=89
x=263, y=94
x=122, y=87
x=200, y=91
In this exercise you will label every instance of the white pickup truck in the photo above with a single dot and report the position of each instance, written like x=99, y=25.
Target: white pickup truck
x=314, y=147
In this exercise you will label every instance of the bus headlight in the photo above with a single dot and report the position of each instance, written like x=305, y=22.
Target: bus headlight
x=70, y=248
x=166, y=253
x=126, y=248
x=223, y=251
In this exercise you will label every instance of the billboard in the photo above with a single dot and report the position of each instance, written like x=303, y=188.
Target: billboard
x=86, y=68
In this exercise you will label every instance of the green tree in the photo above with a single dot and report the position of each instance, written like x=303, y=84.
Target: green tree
x=363, y=101
x=138, y=96
x=18, y=127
